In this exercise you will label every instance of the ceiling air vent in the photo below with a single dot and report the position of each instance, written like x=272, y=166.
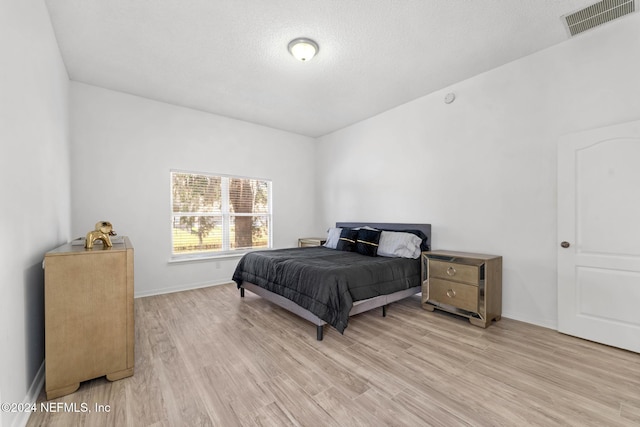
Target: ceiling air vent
x=597, y=14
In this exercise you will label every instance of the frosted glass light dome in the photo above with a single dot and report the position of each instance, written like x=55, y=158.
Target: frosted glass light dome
x=303, y=49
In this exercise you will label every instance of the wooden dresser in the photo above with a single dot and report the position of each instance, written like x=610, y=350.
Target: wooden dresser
x=89, y=332
x=463, y=283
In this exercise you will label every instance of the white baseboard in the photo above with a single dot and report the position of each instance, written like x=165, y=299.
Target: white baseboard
x=545, y=323
x=186, y=287
x=31, y=397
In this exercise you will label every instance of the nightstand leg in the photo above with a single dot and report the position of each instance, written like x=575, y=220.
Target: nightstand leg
x=479, y=322
x=428, y=307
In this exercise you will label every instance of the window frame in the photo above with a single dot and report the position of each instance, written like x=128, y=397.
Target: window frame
x=226, y=251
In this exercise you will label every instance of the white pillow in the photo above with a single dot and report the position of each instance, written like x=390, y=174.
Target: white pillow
x=399, y=244
x=333, y=236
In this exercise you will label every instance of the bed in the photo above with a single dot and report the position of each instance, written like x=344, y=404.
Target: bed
x=325, y=285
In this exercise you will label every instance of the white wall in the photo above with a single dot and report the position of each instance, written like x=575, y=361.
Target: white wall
x=123, y=148
x=34, y=170
x=483, y=169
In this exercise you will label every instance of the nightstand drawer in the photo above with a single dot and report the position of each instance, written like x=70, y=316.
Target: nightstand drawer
x=454, y=271
x=455, y=294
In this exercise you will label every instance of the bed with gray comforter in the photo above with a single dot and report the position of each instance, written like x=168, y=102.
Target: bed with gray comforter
x=325, y=285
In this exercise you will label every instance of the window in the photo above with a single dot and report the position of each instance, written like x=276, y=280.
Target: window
x=213, y=214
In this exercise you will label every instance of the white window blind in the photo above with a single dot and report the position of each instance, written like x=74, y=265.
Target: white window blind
x=218, y=214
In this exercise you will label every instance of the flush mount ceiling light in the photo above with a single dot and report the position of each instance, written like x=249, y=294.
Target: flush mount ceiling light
x=303, y=49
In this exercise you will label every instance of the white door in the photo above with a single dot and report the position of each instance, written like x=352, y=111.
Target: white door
x=599, y=235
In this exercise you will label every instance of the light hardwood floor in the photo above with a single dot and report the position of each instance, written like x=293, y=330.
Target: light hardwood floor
x=208, y=357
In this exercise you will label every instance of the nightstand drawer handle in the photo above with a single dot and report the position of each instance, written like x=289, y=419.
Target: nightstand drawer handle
x=451, y=293
x=451, y=271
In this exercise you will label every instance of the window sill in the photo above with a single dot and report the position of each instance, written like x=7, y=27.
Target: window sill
x=197, y=258
x=203, y=258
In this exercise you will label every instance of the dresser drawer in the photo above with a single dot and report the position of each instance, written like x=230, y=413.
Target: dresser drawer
x=455, y=294
x=454, y=271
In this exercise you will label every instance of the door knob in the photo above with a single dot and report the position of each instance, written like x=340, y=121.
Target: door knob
x=565, y=244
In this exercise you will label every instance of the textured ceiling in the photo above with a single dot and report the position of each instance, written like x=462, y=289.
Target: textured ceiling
x=230, y=57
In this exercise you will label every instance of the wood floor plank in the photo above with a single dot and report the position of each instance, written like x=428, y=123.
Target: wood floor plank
x=392, y=413
x=429, y=410
x=271, y=415
x=207, y=357
x=342, y=409
x=631, y=413
x=298, y=404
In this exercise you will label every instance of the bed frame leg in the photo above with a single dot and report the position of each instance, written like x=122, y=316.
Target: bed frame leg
x=384, y=310
x=319, y=332
x=241, y=292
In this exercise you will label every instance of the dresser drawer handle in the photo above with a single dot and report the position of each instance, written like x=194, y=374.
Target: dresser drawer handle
x=451, y=271
x=451, y=293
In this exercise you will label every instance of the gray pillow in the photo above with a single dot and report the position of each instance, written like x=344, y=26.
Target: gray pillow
x=333, y=235
x=399, y=244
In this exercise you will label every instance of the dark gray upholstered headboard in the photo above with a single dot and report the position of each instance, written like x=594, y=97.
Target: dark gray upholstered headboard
x=425, y=228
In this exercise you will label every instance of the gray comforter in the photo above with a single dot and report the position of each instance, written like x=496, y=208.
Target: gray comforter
x=326, y=281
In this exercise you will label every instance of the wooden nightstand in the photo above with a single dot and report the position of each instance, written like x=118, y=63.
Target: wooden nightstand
x=463, y=283
x=311, y=241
